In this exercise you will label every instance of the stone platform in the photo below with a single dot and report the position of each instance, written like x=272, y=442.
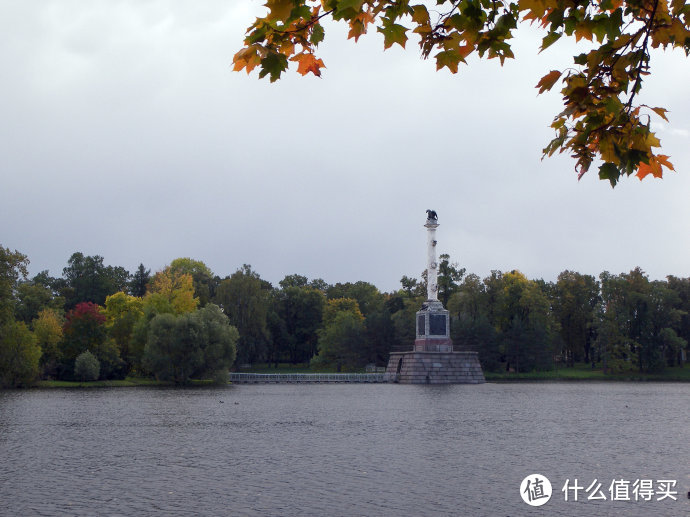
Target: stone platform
x=418, y=367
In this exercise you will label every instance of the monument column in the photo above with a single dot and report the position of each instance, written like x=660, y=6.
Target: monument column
x=431, y=265
x=433, y=321
x=433, y=360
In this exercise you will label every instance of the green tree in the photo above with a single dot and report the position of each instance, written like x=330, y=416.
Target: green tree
x=190, y=345
x=334, y=306
x=167, y=293
x=601, y=118
x=31, y=298
x=526, y=323
x=139, y=282
x=19, y=355
x=576, y=297
x=404, y=322
x=367, y=296
x=293, y=281
x=662, y=344
x=380, y=337
x=218, y=344
x=298, y=311
x=470, y=326
x=449, y=275
x=470, y=299
x=340, y=341
x=86, y=367
x=173, y=350
x=89, y=280
x=245, y=299
x=682, y=288
x=478, y=335
x=411, y=287
x=12, y=267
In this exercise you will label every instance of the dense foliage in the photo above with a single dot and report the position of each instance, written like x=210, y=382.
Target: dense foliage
x=600, y=119
x=616, y=323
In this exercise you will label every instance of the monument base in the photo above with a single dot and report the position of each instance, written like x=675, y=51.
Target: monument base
x=418, y=367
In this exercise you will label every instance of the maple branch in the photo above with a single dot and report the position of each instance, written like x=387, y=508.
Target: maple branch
x=305, y=26
x=641, y=64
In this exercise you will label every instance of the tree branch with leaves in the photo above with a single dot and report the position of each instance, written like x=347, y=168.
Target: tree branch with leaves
x=600, y=118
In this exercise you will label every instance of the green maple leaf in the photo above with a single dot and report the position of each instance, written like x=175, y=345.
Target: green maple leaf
x=450, y=59
x=348, y=8
x=393, y=33
x=610, y=172
x=317, y=34
x=273, y=64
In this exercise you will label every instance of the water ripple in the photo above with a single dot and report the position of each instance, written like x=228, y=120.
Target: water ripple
x=341, y=450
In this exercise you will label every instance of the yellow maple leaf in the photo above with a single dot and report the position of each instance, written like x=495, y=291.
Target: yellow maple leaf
x=280, y=9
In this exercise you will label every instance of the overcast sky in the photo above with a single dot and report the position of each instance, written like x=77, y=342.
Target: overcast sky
x=126, y=134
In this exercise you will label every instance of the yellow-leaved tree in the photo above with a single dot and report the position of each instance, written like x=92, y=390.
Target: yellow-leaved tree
x=171, y=291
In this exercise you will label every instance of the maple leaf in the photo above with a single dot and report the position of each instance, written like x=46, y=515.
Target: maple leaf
x=246, y=58
x=317, y=34
x=393, y=33
x=547, y=82
x=420, y=15
x=653, y=168
x=273, y=64
x=308, y=63
x=663, y=160
x=280, y=9
x=358, y=25
x=348, y=7
x=448, y=58
x=661, y=112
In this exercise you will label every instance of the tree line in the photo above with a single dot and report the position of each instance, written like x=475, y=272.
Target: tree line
x=184, y=322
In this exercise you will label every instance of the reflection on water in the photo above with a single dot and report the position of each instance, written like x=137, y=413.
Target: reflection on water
x=358, y=449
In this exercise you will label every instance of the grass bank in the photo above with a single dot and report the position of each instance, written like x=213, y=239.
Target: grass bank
x=584, y=372
x=580, y=372
x=127, y=382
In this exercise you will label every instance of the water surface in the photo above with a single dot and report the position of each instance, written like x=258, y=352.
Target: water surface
x=350, y=450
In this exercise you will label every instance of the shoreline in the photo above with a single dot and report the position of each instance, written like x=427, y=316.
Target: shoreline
x=675, y=375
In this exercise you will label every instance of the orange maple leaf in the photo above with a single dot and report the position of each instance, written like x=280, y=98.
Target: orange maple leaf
x=663, y=160
x=358, y=25
x=246, y=58
x=546, y=82
x=654, y=167
x=308, y=63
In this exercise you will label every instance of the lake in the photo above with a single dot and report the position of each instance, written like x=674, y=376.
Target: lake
x=345, y=449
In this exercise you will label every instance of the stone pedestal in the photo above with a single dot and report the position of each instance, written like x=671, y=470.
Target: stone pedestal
x=433, y=361
x=433, y=328
x=434, y=368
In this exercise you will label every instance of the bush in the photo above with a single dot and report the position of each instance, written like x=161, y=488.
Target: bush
x=86, y=367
